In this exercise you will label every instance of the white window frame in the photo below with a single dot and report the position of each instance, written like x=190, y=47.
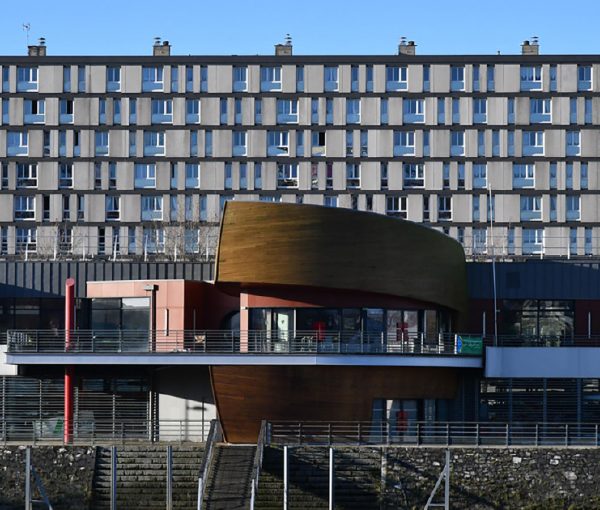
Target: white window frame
x=145, y=172
x=152, y=205
x=287, y=175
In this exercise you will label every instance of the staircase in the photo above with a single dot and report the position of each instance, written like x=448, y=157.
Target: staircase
x=229, y=478
x=142, y=477
x=357, y=479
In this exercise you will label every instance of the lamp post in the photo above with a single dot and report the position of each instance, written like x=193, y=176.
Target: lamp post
x=491, y=215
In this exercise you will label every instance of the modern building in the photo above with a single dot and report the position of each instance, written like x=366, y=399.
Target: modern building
x=135, y=156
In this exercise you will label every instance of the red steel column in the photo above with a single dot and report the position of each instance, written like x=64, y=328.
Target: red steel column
x=69, y=326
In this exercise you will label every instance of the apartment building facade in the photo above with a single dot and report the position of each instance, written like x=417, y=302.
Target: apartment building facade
x=136, y=156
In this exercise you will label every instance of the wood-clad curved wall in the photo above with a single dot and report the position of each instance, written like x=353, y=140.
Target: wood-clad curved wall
x=245, y=395
x=289, y=244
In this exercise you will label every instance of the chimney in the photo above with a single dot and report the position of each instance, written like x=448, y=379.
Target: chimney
x=532, y=48
x=407, y=47
x=38, y=50
x=284, y=50
x=161, y=49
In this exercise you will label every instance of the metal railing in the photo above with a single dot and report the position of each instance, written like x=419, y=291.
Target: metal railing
x=89, y=431
x=236, y=342
x=258, y=459
x=214, y=436
x=546, y=341
x=420, y=433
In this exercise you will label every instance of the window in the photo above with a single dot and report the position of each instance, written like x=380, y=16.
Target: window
x=461, y=175
x=495, y=142
x=353, y=111
x=237, y=111
x=552, y=207
x=243, y=176
x=192, y=240
x=569, y=176
x=113, y=207
x=66, y=78
x=490, y=78
x=112, y=175
x=330, y=201
x=573, y=110
x=257, y=176
x=364, y=143
x=189, y=78
x=531, y=78
x=533, y=143
x=457, y=143
x=352, y=175
x=192, y=111
x=583, y=178
x=300, y=144
x=589, y=249
x=258, y=111
x=479, y=111
x=573, y=211
x=174, y=206
x=34, y=111
x=223, y=109
x=240, y=78
x=553, y=173
x=573, y=143
x=510, y=139
x=145, y=175
x=457, y=78
x=479, y=175
x=540, y=110
x=476, y=76
x=318, y=143
x=208, y=143
x=270, y=78
x=531, y=208
x=132, y=144
x=354, y=78
x=479, y=241
x=228, y=176
x=491, y=210
x=573, y=241
x=192, y=176
x=481, y=143
x=314, y=108
x=396, y=206
x=193, y=143
x=404, y=143
x=446, y=175
x=349, y=143
x=26, y=175
x=523, y=175
x=413, y=111
x=584, y=77
x=116, y=111
x=203, y=79
x=132, y=111
x=511, y=110
x=152, y=78
x=154, y=240
x=455, y=111
x=299, y=78
x=444, y=208
x=413, y=175
x=113, y=79
x=287, y=175
x=24, y=207
x=329, y=111
x=65, y=176
x=154, y=143
x=81, y=79
x=173, y=172
x=152, y=208
x=426, y=148
x=101, y=143
x=162, y=111
x=476, y=208
x=587, y=118
x=396, y=78
x=5, y=115
x=383, y=175
x=239, y=143
x=287, y=111
x=278, y=143
x=25, y=240
x=174, y=79
x=102, y=111
x=27, y=79
x=330, y=74
x=552, y=77
x=384, y=110
x=17, y=143
x=426, y=73
x=533, y=241
x=97, y=175
x=369, y=72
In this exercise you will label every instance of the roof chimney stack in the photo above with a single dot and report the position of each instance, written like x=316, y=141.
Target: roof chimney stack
x=407, y=47
x=532, y=48
x=284, y=50
x=161, y=48
x=37, y=50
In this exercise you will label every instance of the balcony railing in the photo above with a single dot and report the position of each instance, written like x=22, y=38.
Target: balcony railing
x=241, y=342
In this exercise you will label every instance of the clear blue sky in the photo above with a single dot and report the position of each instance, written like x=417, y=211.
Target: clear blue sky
x=226, y=27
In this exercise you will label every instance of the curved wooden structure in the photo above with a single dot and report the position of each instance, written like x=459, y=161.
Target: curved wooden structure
x=289, y=244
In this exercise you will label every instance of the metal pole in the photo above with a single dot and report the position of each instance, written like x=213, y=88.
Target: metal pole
x=169, y=477
x=331, y=480
x=113, y=478
x=285, y=478
x=493, y=265
x=447, y=484
x=28, y=478
x=68, y=385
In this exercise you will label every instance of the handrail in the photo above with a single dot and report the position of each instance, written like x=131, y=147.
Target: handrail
x=214, y=435
x=420, y=433
x=258, y=459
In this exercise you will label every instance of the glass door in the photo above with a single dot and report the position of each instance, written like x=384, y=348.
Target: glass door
x=283, y=328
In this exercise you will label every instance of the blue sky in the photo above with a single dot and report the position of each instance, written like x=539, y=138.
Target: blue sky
x=225, y=27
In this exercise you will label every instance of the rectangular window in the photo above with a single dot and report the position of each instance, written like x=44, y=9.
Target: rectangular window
x=270, y=78
x=329, y=111
x=278, y=143
x=66, y=78
x=461, y=175
x=237, y=111
x=540, y=110
x=479, y=241
x=34, y=111
x=228, y=176
x=552, y=77
x=24, y=207
x=587, y=110
x=174, y=79
x=349, y=143
x=354, y=78
x=510, y=139
x=102, y=111
x=352, y=175
x=396, y=78
x=113, y=207
x=258, y=111
x=173, y=206
x=455, y=111
x=583, y=179
x=203, y=79
x=369, y=72
x=189, y=78
x=300, y=144
x=457, y=78
x=113, y=78
x=257, y=176
x=239, y=143
x=5, y=114
x=444, y=208
x=192, y=111
x=132, y=111
x=145, y=175
x=152, y=79
x=531, y=208
x=481, y=143
x=573, y=241
x=384, y=110
x=299, y=78
x=490, y=78
x=457, y=143
x=240, y=78
x=243, y=176
x=162, y=111
x=27, y=79
x=476, y=208
x=330, y=201
x=396, y=206
x=152, y=208
x=287, y=111
x=479, y=111
x=476, y=86
x=404, y=143
x=194, y=143
x=573, y=143
x=101, y=143
x=511, y=110
x=584, y=77
x=192, y=176
x=287, y=175
x=446, y=175
x=318, y=143
x=569, y=176
x=479, y=175
x=81, y=79
x=173, y=174
x=116, y=111
x=208, y=143
x=441, y=107
x=413, y=175
x=154, y=143
x=413, y=111
x=533, y=143
x=25, y=240
x=132, y=144
x=531, y=77
x=573, y=205
x=426, y=148
x=223, y=109
x=383, y=175
x=573, y=110
x=495, y=142
x=154, y=240
x=523, y=175
x=533, y=241
x=65, y=176
x=353, y=111
x=112, y=175
x=330, y=76
x=553, y=175
x=589, y=249
x=26, y=175
x=17, y=143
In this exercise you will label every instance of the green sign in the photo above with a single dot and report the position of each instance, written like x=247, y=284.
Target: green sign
x=470, y=345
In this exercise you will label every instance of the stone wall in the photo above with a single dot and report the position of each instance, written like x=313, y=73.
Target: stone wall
x=66, y=474
x=495, y=478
